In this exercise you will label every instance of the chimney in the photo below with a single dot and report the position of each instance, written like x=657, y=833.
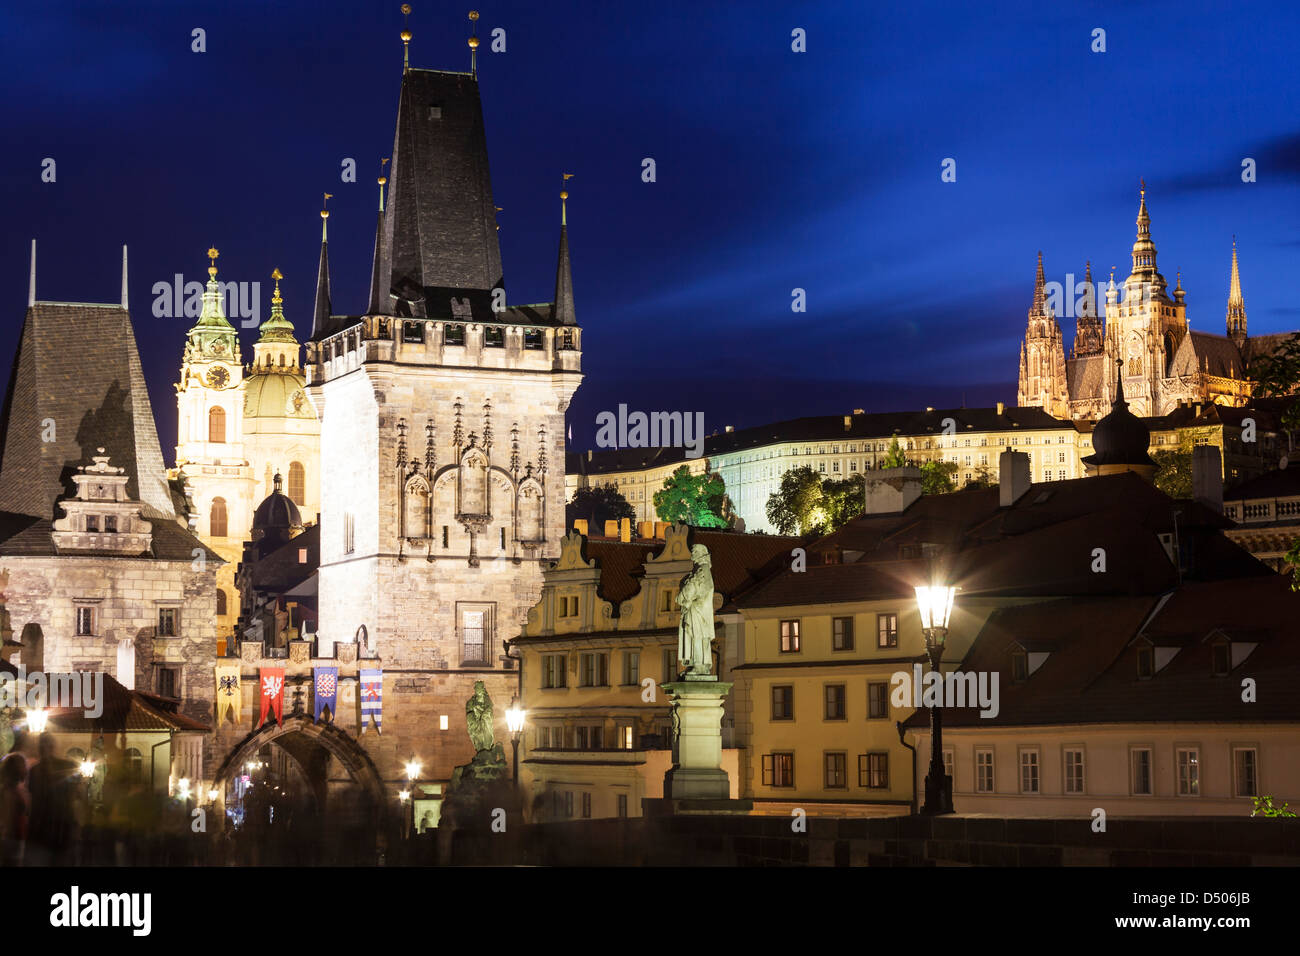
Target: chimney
x=848, y=423
x=1002, y=409
x=858, y=411
x=588, y=454
x=892, y=490
x=1013, y=477
x=645, y=529
x=611, y=528
x=580, y=526
x=1207, y=477
x=661, y=529
x=625, y=530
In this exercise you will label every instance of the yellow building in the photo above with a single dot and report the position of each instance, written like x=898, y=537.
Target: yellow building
x=593, y=653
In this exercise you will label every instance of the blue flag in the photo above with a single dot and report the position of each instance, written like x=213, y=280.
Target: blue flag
x=326, y=680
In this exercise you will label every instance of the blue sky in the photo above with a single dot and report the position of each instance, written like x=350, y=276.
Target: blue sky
x=775, y=170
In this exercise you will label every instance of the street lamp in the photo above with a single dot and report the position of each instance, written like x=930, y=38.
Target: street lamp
x=935, y=606
x=515, y=724
x=412, y=769
x=37, y=719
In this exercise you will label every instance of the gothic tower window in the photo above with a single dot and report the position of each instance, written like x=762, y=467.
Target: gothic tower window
x=217, y=425
x=217, y=520
x=473, y=484
x=1169, y=353
x=417, y=509
x=221, y=603
x=530, y=511
x=297, y=482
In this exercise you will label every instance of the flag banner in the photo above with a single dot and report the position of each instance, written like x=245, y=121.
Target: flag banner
x=272, y=694
x=228, y=693
x=326, y=680
x=372, y=699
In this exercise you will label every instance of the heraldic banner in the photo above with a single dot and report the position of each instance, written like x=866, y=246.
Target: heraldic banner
x=326, y=680
x=272, y=694
x=372, y=699
x=228, y=695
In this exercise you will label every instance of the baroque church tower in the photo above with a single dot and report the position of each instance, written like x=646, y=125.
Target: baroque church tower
x=1042, y=356
x=442, y=436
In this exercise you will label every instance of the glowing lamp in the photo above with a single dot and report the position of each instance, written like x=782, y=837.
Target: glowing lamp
x=935, y=606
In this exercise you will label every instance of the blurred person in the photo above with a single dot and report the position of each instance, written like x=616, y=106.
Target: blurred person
x=15, y=809
x=52, y=827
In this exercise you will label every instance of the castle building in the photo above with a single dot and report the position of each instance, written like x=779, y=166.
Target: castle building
x=237, y=427
x=1166, y=362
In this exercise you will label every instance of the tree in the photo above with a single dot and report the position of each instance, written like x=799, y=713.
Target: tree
x=1277, y=375
x=696, y=500
x=894, y=458
x=1174, y=468
x=843, y=500
x=596, y=506
x=795, y=507
x=937, y=477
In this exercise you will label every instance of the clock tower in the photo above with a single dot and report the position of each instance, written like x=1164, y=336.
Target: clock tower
x=209, y=446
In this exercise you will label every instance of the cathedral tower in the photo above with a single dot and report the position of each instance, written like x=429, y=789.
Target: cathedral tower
x=442, y=436
x=1088, y=334
x=1042, y=356
x=1236, y=303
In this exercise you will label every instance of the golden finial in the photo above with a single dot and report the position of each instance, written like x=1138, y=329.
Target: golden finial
x=325, y=213
x=564, y=197
x=473, y=43
x=499, y=209
x=212, y=260
x=275, y=296
x=406, y=38
x=1143, y=190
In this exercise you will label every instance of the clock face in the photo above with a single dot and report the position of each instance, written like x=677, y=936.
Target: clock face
x=218, y=376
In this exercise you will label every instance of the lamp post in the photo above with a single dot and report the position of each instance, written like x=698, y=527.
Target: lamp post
x=37, y=720
x=515, y=724
x=935, y=606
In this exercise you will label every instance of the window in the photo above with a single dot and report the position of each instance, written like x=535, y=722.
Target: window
x=110, y=524
x=92, y=522
x=778, y=770
x=217, y=522
x=1244, y=775
x=553, y=671
x=947, y=761
x=984, y=771
x=887, y=630
x=789, y=636
x=586, y=805
x=631, y=667
x=589, y=737
x=873, y=771
x=1189, y=772
x=216, y=424
x=624, y=734
x=1060, y=456
x=297, y=483
x=1222, y=654
x=413, y=332
x=783, y=702
x=1140, y=764
x=568, y=803
x=836, y=771
x=666, y=600
x=1029, y=771
x=566, y=340
x=842, y=634
x=453, y=335
x=350, y=536
x=1146, y=665
x=594, y=670
x=221, y=603
x=1074, y=770
x=533, y=339
x=475, y=633
x=494, y=337
x=878, y=701
x=670, y=663
x=167, y=681
x=835, y=709
x=1019, y=666
x=167, y=621
x=85, y=621
x=622, y=804
x=134, y=764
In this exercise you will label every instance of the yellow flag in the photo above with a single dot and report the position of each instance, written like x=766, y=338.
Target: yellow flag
x=228, y=696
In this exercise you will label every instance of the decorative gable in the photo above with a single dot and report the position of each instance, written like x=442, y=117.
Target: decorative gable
x=100, y=517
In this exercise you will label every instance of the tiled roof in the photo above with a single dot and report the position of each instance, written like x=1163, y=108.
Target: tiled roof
x=1273, y=484
x=1209, y=354
x=1085, y=376
x=281, y=570
x=620, y=566
x=125, y=710
x=30, y=537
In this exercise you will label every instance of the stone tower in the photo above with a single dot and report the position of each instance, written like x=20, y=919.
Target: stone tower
x=1236, y=303
x=442, y=438
x=1042, y=356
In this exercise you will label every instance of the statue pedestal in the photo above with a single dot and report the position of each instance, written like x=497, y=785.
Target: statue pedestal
x=697, y=772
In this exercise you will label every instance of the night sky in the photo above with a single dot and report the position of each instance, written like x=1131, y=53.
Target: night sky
x=775, y=170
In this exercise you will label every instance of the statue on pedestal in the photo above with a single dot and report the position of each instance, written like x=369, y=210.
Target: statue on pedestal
x=695, y=630
x=478, y=716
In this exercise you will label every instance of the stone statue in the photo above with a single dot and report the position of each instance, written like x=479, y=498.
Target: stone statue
x=695, y=631
x=478, y=714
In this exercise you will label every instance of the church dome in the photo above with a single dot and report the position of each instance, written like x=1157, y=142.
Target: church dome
x=276, y=393
x=1121, y=438
x=277, y=512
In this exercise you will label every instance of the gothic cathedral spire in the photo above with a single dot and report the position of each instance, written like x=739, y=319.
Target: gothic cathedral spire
x=1042, y=355
x=1236, y=303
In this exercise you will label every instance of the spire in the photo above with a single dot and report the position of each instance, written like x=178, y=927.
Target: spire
x=1236, y=302
x=31, y=282
x=1090, y=303
x=1040, y=290
x=1088, y=334
x=406, y=39
x=277, y=328
x=563, y=309
x=124, y=305
x=321, y=318
x=213, y=318
x=473, y=43
x=378, y=295
x=1144, y=250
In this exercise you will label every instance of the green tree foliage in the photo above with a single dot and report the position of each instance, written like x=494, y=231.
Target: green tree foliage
x=1174, y=468
x=795, y=507
x=938, y=477
x=894, y=458
x=596, y=506
x=843, y=500
x=696, y=500
x=1264, y=808
x=1277, y=375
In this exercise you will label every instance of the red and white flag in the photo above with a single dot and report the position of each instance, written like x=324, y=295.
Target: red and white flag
x=272, y=694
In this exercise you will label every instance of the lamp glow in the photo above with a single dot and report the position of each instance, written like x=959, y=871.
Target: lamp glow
x=213, y=793
x=37, y=719
x=412, y=769
x=183, y=786
x=515, y=717
x=87, y=768
x=404, y=795
x=935, y=605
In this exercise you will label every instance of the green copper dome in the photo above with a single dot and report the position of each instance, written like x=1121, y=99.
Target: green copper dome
x=276, y=393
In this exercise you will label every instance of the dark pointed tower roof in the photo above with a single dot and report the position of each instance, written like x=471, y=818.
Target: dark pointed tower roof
x=440, y=236
x=562, y=312
x=320, y=324
x=1040, y=290
x=379, y=301
x=1121, y=438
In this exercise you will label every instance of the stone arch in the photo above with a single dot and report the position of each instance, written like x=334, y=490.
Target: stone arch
x=337, y=743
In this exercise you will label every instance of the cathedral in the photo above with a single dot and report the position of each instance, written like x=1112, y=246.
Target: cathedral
x=238, y=427
x=1165, y=362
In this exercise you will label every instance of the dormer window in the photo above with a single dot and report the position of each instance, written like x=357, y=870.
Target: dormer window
x=1019, y=667
x=1221, y=653
x=1146, y=663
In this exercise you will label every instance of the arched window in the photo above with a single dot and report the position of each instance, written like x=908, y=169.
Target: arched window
x=297, y=482
x=134, y=765
x=217, y=520
x=217, y=424
x=221, y=602
x=1169, y=354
